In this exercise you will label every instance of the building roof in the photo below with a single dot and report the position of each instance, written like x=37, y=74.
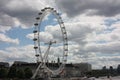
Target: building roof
x=4, y=64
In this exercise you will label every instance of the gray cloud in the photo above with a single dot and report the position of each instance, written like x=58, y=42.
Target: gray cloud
x=90, y=7
x=15, y=9
x=23, y=12
x=6, y=20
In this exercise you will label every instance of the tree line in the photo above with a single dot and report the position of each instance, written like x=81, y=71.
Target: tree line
x=14, y=73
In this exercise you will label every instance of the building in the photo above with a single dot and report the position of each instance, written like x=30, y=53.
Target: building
x=24, y=65
x=4, y=65
x=83, y=67
x=77, y=69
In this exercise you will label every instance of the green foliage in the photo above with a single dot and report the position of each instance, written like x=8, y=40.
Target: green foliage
x=104, y=68
x=28, y=73
x=16, y=73
x=3, y=73
x=111, y=71
x=97, y=73
x=12, y=72
x=20, y=74
x=118, y=69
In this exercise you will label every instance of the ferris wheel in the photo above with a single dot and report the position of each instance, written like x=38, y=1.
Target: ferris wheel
x=41, y=56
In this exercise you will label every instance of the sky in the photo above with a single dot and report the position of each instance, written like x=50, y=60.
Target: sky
x=92, y=26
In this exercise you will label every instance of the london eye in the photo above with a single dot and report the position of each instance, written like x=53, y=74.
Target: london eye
x=43, y=56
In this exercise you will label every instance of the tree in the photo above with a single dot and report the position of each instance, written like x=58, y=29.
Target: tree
x=104, y=71
x=111, y=70
x=3, y=73
x=28, y=73
x=104, y=68
x=12, y=72
x=20, y=73
x=118, y=69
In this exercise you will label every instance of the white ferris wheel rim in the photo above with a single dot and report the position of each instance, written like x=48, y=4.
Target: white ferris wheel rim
x=36, y=39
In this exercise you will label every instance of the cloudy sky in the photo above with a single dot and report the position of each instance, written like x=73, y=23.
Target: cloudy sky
x=93, y=28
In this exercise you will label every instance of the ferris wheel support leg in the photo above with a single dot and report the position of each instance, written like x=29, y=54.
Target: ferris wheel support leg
x=34, y=75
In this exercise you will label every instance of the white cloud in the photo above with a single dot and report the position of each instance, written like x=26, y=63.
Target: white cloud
x=4, y=38
x=109, y=48
x=30, y=36
x=24, y=53
x=44, y=36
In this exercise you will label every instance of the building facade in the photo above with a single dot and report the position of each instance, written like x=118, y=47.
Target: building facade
x=71, y=70
x=4, y=65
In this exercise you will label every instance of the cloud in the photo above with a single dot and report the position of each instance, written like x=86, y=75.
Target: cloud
x=24, y=53
x=7, y=22
x=78, y=33
x=109, y=48
x=89, y=40
x=4, y=38
x=44, y=36
x=27, y=53
x=90, y=7
x=16, y=13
